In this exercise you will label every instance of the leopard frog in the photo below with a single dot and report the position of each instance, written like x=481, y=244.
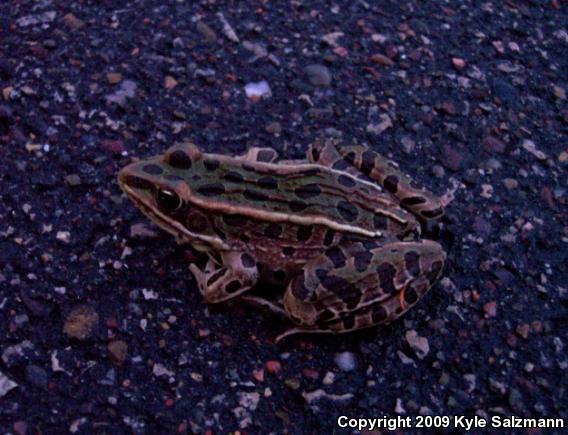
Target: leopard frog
x=340, y=231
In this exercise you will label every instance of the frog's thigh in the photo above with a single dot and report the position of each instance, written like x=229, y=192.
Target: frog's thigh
x=217, y=283
x=259, y=154
x=341, y=292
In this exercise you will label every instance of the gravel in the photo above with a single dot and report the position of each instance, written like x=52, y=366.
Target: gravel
x=103, y=326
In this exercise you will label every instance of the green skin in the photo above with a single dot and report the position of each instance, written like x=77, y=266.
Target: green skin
x=348, y=252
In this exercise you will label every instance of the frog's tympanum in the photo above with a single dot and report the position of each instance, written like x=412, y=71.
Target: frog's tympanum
x=340, y=231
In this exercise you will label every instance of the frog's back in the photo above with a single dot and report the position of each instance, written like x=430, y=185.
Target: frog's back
x=301, y=194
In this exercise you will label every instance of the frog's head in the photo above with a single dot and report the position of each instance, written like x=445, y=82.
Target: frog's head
x=160, y=182
x=160, y=188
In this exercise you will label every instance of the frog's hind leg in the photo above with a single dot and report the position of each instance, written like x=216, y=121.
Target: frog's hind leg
x=371, y=164
x=349, y=288
x=220, y=282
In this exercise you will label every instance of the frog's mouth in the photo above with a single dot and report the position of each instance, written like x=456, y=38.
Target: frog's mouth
x=175, y=228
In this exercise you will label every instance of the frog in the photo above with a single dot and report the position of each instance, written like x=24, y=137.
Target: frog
x=339, y=232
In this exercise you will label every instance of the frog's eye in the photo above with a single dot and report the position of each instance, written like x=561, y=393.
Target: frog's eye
x=168, y=200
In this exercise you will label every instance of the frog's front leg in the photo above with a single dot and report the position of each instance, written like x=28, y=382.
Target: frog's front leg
x=351, y=287
x=219, y=282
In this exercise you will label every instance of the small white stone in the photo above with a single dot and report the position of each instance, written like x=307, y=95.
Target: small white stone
x=149, y=294
x=418, y=344
x=63, y=236
x=6, y=385
x=530, y=146
x=346, y=361
x=329, y=378
x=160, y=370
x=258, y=89
x=60, y=290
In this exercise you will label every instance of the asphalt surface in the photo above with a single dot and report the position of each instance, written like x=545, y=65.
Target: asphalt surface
x=102, y=328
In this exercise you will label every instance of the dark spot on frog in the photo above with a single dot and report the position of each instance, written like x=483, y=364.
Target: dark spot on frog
x=326, y=315
x=348, y=322
x=179, y=160
x=367, y=162
x=233, y=286
x=362, y=261
x=288, y=251
x=315, y=153
x=247, y=261
x=273, y=230
x=211, y=189
x=267, y=183
x=172, y=177
x=387, y=273
x=254, y=195
x=412, y=262
x=391, y=183
x=304, y=233
x=297, y=206
x=410, y=296
x=234, y=177
x=413, y=200
x=346, y=181
x=211, y=164
x=340, y=165
x=329, y=236
x=308, y=191
x=350, y=157
x=350, y=295
x=337, y=284
x=152, y=169
x=336, y=256
x=380, y=222
x=379, y=314
x=321, y=273
x=370, y=244
x=347, y=211
x=435, y=271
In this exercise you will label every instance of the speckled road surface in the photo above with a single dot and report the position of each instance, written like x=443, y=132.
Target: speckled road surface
x=101, y=325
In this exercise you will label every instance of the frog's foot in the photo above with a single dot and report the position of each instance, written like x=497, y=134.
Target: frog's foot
x=219, y=283
x=259, y=154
